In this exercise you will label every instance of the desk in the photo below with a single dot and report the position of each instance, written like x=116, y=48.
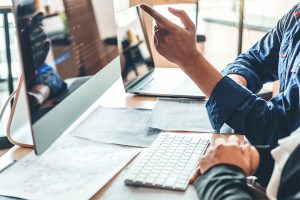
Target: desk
x=115, y=189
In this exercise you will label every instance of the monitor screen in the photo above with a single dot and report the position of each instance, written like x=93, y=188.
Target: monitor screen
x=135, y=55
x=63, y=44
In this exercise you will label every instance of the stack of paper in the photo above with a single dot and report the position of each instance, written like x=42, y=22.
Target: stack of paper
x=72, y=168
x=180, y=115
x=125, y=126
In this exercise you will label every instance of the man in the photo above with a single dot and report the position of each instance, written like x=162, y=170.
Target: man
x=225, y=167
x=274, y=57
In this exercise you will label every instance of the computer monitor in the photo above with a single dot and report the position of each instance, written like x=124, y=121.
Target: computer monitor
x=69, y=57
x=134, y=47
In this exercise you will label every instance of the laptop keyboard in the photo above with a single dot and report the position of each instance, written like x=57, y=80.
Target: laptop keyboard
x=169, y=162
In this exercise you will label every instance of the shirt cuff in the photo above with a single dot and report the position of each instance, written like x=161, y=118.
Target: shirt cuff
x=254, y=83
x=225, y=98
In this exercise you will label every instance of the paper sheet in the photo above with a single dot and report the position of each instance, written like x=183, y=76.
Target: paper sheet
x=180, y=115
x=126, y=126
x=72, y=168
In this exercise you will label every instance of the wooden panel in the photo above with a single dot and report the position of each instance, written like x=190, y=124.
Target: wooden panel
x=90, y=51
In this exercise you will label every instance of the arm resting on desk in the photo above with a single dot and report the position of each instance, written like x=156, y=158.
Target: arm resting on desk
x=263, y=122
x=223, y=182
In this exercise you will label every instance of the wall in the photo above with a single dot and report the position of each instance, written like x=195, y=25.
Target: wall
x=102, y=9
x=269, y=8
x=221, y=45
x=222, y=41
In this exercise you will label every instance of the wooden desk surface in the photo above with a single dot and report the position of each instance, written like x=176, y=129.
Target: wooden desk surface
x=115, y=189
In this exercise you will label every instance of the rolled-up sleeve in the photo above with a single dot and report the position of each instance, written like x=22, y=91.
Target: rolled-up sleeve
x=225, y=98
x=254, y=82
x=263, y=122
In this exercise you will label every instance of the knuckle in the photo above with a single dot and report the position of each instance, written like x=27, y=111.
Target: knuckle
x=209, y=152
x=181, y=12
x=220, y=147
x=234, y=146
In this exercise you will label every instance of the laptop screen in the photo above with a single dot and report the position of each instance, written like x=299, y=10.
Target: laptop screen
x=136, y=58
x=63, y=44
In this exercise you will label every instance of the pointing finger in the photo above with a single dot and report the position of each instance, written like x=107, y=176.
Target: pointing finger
x=160, y=20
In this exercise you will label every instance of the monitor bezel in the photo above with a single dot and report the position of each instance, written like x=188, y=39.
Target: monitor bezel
x=53, y=124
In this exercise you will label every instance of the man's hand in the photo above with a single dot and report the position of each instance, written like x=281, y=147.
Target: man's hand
x=176, y=44
x=231, y=152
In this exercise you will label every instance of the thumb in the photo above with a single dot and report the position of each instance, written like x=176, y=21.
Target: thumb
x=195, y=175
x=186, y=21
x=255, y=158
x=248, y=158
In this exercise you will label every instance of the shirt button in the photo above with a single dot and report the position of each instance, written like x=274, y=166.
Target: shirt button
x=294, y=70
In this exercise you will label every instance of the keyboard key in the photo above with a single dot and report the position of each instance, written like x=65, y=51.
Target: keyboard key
x=150, y=179
x=171, y=181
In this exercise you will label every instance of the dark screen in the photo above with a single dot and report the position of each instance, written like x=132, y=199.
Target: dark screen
x=63, y=44
x=136, y=59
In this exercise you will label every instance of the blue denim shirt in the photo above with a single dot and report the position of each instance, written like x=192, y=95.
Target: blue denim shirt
x=275, y=57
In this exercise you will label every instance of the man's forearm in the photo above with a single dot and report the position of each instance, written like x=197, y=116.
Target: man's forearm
x=223, y=182
x=202, y=73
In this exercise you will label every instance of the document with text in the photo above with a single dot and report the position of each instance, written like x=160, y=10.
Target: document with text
x=73, y=168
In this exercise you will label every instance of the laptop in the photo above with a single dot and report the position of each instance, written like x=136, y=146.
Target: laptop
x=138, y=70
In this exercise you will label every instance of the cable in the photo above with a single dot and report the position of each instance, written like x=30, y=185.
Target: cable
x=4, y=142
x=11, y=96
x=15, y=94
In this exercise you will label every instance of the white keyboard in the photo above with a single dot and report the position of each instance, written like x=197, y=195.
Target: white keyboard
x=169, y=162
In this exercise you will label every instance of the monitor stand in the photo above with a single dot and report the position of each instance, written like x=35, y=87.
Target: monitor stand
x=18, y=129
